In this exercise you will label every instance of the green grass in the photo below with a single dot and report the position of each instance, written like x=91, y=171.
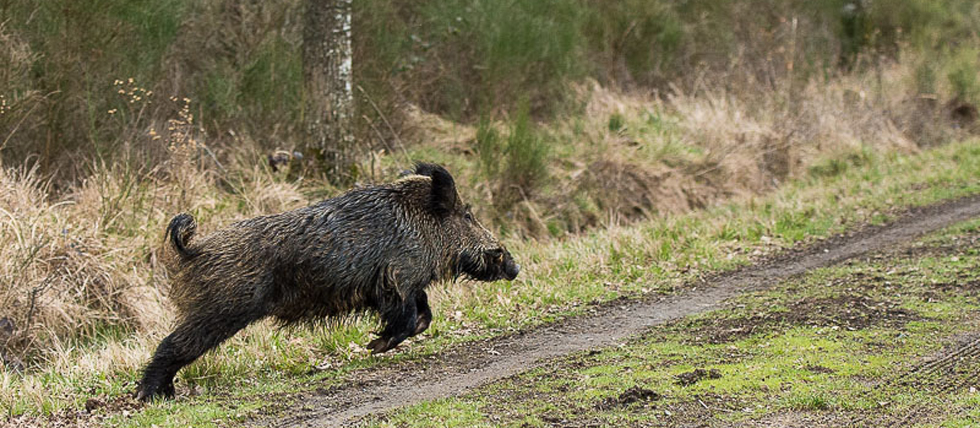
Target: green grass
x=818, y=366
x=560, y=278
x=448, y=413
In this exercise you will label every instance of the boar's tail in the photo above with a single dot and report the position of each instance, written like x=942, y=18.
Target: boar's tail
x=179, y=232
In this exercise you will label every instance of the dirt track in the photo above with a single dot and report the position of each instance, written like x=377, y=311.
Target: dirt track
x=457, y=371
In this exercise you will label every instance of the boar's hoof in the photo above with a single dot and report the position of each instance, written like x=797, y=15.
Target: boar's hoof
x=380, y=345
x=421, y=324
x=148, y=393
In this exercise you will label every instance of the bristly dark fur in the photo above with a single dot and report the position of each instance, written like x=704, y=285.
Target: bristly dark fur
x=181, y=228
x=370, y=249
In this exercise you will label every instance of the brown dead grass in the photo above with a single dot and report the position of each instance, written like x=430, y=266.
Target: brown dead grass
x=630, y=156
x=86, y=261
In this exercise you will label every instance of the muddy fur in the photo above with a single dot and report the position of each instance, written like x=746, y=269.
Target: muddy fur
x=370, y=249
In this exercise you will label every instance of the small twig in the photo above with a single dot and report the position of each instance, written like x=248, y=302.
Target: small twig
x=401, y=145
x=622, y=38
x=213, y=157
x=34, y=294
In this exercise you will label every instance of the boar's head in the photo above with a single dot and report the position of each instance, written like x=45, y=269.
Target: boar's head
x=474, y=251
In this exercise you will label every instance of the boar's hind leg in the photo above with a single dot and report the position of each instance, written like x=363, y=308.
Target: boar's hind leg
x=191, y=339
x=399, y=319
x=424, y=313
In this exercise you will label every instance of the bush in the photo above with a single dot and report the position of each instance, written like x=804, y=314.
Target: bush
x=488, y=148
x=517, y=166
x=474, y=56
x=526, y=156
x=962, y=74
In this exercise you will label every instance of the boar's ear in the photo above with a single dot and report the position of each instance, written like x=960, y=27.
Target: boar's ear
x=444, y=196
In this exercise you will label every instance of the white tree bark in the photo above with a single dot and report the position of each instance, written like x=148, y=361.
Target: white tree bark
x=327, y=71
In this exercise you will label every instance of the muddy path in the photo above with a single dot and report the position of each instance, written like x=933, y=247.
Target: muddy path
x=457, y=371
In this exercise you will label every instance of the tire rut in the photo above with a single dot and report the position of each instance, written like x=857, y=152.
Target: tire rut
x=456, y=371
x=939, y=376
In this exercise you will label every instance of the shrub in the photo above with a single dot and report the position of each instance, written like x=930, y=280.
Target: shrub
x=525, y=159
x=962, y=74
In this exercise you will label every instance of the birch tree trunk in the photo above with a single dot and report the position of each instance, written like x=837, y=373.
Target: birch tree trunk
x=327, y=72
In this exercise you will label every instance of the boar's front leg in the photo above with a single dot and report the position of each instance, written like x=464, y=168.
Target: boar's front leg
x=399, y=319
x=424, y=313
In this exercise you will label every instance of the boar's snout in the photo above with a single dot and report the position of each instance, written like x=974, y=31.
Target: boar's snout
x=508, y=268
x=489, y=265
x=511, y=269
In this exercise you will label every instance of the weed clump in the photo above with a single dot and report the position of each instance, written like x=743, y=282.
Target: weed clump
x=517, y=165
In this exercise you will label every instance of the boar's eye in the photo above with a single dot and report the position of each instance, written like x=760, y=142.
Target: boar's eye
x=468, y=216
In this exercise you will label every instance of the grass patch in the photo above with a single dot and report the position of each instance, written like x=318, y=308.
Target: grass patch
x=560, y=278
x=816, y=365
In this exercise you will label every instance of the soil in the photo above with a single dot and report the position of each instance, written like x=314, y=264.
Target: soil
x=457, y=371
x=634, y=395
x=697, y=375
x=95, y=413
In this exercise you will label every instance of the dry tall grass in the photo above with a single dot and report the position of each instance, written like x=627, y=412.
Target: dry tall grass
x=633, y=155
x=78, y=265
